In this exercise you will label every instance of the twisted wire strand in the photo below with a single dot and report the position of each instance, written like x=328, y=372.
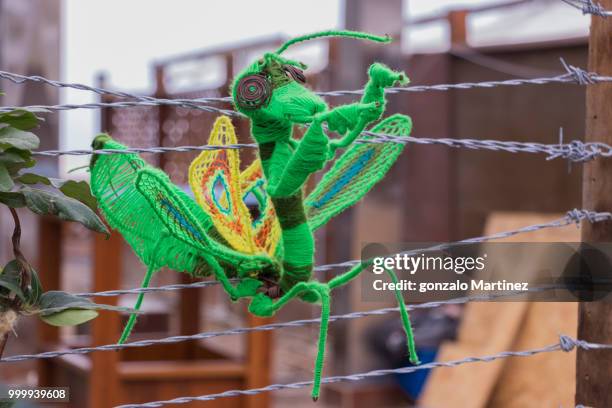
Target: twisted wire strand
x=575, y=151
x=566, y=344
x=265, y=327
x=572, y=75
x=572, y=216
x=152, y=289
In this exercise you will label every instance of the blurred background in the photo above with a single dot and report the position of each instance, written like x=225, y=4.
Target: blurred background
x=190, y=49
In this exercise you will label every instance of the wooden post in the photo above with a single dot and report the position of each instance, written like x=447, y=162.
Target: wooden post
x=104, y=375
x=594, y=367
x=49, y=266
x=457, y=21
x=258, y=362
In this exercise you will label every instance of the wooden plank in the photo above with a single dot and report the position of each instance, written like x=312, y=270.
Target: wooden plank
x=544, y=380
x=489, y=328
x=594, y=368
x=104, y=381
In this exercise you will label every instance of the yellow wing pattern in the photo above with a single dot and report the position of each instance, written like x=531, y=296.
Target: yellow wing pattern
x=221, y=190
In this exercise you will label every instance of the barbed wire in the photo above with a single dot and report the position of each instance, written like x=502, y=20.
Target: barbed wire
x=572, y=75
x=152, y=289
x=575, y=151
x=266, y=327
x=565, y=344
x=571, y=217
x=589, y=7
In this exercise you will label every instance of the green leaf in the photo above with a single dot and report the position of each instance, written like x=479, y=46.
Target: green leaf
x=12, y=137
x=63, y=309
x=79, y=190
x=20, y=118
x=35, y=290
x=55, y=299
x=6, y=182
x=10, y=280
x=15, y=159
x=66, y=208
x=31, y=178
x=70, y=317
x=13, y=200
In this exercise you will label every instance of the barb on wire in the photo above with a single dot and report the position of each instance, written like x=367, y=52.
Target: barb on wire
x=572, y=75
x=589, y=7
x=265, y=327
x=566, y=344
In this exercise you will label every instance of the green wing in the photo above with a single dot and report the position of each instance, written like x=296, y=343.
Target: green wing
x=163, y=225
x=154, y=238
x=356, y=172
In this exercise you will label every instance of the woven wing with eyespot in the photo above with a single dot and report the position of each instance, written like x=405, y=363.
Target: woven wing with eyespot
x=355, y=173
x=214, y=177
x=127, y=209
x=221, y=190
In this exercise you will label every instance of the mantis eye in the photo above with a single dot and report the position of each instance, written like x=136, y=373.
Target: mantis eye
x=253, y=91
x=296, y=73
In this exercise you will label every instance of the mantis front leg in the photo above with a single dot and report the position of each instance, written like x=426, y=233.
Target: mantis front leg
x=354, y=118
x=308, y=157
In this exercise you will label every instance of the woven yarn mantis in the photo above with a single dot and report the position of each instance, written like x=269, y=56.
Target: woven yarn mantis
x=271, y=250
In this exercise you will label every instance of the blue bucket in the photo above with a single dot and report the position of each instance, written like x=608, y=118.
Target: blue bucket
x=412, y=383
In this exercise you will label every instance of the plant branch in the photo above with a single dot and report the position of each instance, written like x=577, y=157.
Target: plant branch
x=3, y=341
x=25, y=266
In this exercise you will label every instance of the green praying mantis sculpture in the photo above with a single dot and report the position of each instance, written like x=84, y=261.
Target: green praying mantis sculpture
x=272, y=252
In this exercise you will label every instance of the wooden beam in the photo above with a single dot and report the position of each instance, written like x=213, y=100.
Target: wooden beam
x=594, y=367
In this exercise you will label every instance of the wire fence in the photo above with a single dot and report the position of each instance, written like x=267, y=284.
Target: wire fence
x=575, y=151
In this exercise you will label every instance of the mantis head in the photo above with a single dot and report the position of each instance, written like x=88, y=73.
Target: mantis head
x=272, y=90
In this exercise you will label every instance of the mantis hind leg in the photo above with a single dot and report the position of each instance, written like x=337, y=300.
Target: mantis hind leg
x=132, y=320
x=412, y=353
x=323, y=292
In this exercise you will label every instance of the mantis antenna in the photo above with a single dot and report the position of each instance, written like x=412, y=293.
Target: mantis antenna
x=334, y=33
